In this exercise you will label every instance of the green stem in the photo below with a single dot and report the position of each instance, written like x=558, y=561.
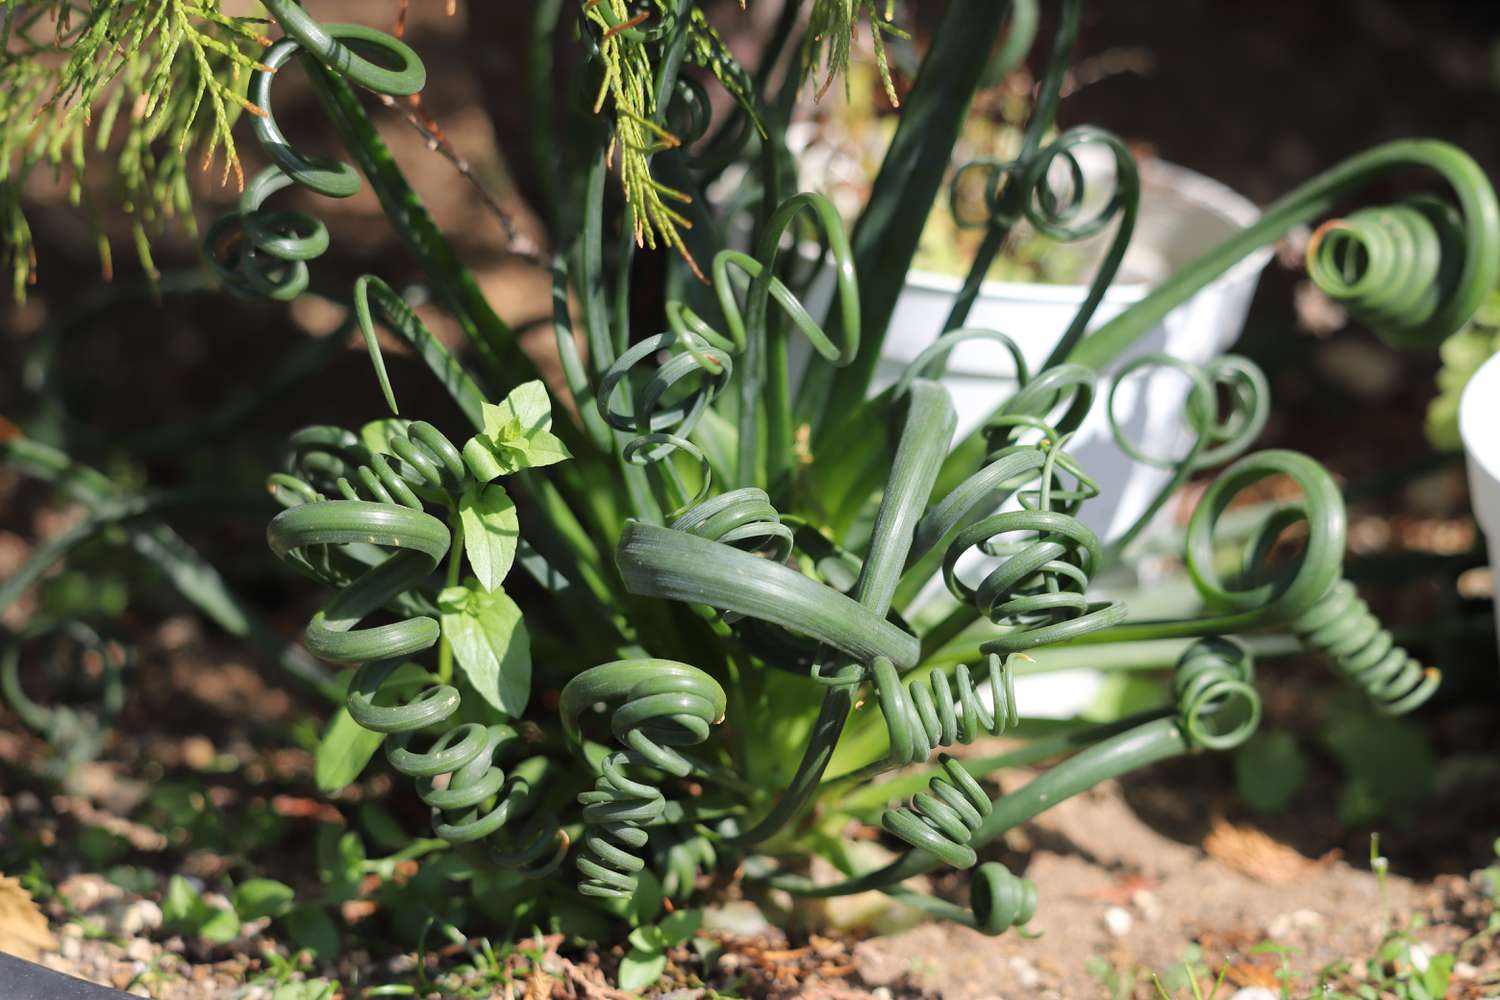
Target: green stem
x=455, y=564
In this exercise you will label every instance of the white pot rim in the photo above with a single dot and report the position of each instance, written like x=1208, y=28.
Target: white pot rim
x=1190, y=184
x=1479, y=427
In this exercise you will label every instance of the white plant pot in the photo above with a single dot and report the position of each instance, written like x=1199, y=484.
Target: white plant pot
x=1181, y=215
x=1479, y=426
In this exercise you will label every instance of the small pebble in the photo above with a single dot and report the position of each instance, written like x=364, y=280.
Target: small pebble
x=1284, y=925
x=1117, y=921
x=1145, y=901
x=1465, y=970
x=84, y=892
x=1026, y=973
x=139, y=917
x=72, y=947
x=1255, y=993
x=881, y=993
x=140, y=950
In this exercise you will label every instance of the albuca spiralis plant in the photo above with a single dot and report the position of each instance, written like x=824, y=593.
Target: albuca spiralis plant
x=675, y=621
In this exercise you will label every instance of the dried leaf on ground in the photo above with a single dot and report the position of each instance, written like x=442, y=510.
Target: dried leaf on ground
x=1254, y=853
x=23, y=928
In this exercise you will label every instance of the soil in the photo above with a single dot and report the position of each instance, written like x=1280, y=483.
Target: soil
x=1133, y=876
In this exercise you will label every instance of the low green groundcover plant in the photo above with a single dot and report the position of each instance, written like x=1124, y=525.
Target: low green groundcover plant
x=678, y=630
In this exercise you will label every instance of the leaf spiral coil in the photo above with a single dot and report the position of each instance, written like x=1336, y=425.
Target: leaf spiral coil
x=1218, y=707
x=261, y=253
x=1309, y=593
x=920, y=716
x=78, y=650
x=382, y=505
x=1342, y=627
x=1000, y=899
x=1215, y=438
x=666, y=404
x=1046, y=559
x=1393, y=267
x=663, y=704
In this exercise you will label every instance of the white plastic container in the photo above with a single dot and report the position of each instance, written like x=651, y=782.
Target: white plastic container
x=1479, y=426
x=1181, y=215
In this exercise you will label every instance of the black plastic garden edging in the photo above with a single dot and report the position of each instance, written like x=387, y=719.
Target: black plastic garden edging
x=22, y=980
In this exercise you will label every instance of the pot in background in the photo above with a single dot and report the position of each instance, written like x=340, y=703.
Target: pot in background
x=1182, y=214
x=1479, y=427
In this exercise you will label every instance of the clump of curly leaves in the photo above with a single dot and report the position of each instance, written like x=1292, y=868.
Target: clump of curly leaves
x=674, y=634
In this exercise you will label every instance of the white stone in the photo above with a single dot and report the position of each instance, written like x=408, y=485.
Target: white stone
x=1026, y=973
x=139, y=917
x=1117, y=921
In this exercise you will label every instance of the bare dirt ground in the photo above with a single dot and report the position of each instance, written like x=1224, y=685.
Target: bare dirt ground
x=1134, y=876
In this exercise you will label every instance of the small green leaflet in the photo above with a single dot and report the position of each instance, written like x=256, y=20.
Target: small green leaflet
x=517, y=435
x=345, y=746
x=343, y=752
x=184, y=911
x=490, y=643
x=639, y=969
x=647, y=958
x=262, y=897
x=491, y=531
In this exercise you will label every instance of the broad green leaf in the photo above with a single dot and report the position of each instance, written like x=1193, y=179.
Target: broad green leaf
x=180, y=905
x=343, y=752
x=517, y=434
x=491, y=531
x=1437, y=974
x=1268, y=771
x=490, y=643
x=341, y=862
x=219, y=925
x=679, y=926
x=184, y=911
x=639, y=969
x=647, y=939
x=262, y=897
x=381, y=826
x=311, y=928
